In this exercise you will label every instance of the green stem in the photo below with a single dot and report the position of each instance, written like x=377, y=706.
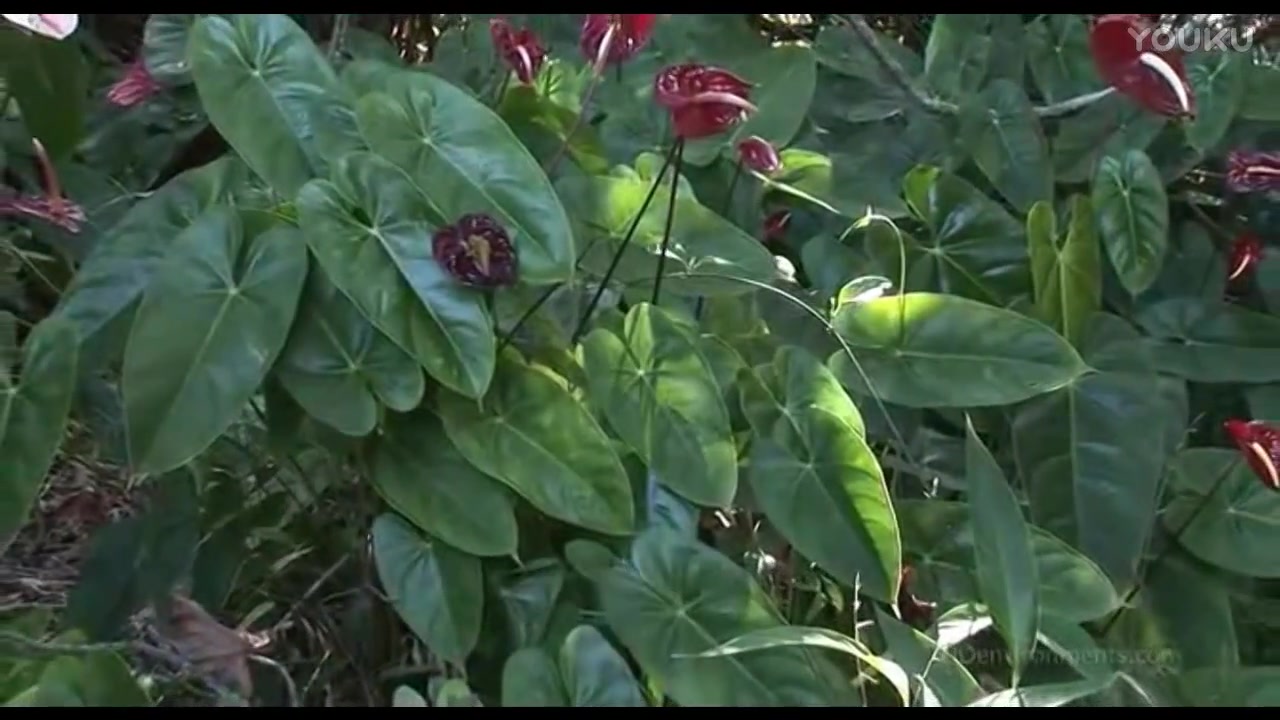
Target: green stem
x=1164, y=552
x=622, y=247
x=671, y=214
x=577, y=123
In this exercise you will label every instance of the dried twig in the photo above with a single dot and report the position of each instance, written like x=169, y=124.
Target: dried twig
x=933, y=104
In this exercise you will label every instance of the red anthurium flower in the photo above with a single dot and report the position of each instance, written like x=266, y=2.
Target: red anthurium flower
x=50, y=207
x=520, y=49
x=775, y=224
x=1260, y=445
x=136, y=85
x=703, y=100
x=757, y=154
x=914, y=611
x=614, y=38
x=1253, y=171
x=1123, y=49
x=477, y=251
x=1246, y=252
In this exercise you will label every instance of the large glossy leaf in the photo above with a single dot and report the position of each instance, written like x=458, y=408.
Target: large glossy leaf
x=817, y=638
x=260, y=79
x=1093, y=451
x=529, y=594
x=208, y=329
x=49, y=81
x=371, y=231
x=33, y=415
x=659, y=394
x=1058, y=55
x=1110, y=127
x=675, y=598
x=1003, y=554
x=595, y=675
x=1066, y=268
x=125, y=258
x=164, y=46
x=814, y=476
x=1262, y=92
x=531, y=678
x=340, y=368
x=437, y=590
x=784, y=79
x=1218, y=81
x=1236, y=530
x=465, y=159
x=944, y=680
x=958, y=55
x=1257, y=686
x=420, y=474
x=1048, y=695
x=971, y=247
x=1003, y=135
x=536, y=437
x=1133, y=217
x=701, y=240
x=1212, y=341
x=1071, y=586
x=930, y=350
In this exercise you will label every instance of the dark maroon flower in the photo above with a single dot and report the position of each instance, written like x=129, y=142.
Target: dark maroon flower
x=703, y=101
x=775, y=225
x=614, y=39
x=520, y=49
x=58, y=211
x=135, y=86
x=1260, y=445
x=914, y=611
x=1124, y=52
x=758, y=154
x=51, y=207
x=1253, y=171
x=477, y=251
x=1246, y=252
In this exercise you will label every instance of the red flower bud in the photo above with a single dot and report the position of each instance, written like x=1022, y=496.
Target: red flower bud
x=703, y=101
x=614, y=39
x=1124, y=52
x=1260, y=445
x=1253, y=171
x=520, y=50
x=1246, y=252
x=477, y=251
x=757, y=154
x=914, y=612
x=775, y=224
x=136, y=85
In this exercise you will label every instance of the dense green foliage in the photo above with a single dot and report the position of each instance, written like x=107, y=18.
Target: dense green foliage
x=993, y=346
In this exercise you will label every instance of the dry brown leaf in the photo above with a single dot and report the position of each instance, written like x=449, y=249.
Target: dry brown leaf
x=213, y=648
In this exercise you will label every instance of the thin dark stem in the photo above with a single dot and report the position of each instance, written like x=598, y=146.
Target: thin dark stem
x=542, y=300
x=671, y=215
x=622, y=247
x=577, y=123
x=1168, y=548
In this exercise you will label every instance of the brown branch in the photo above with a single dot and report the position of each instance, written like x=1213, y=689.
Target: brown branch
x=930, y=103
